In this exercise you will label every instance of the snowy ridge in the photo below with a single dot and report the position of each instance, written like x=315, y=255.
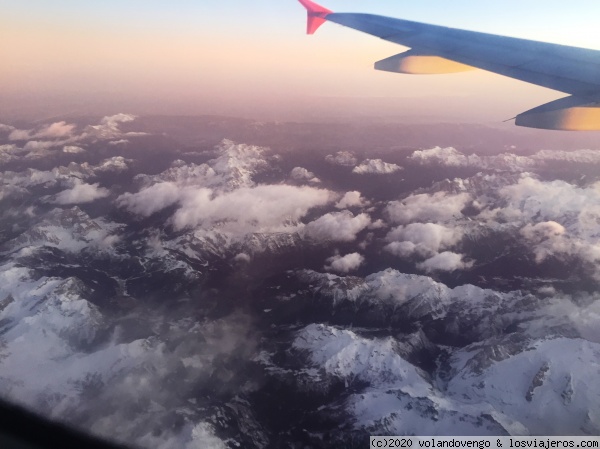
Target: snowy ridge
x=70, y=230
x=232, y=169
x=376, y=166
x=577, y=156
x=220, y=197
x=343, y=353
x=9, y=153
x=64, y=175
x=109, y=127
x=557, y=220
x=204, y=245
x=51, y=364
x=398, y=397
x=61, y=137
x=516, y=386
x=343, y=158
x=450, y=157
x=410, y=296
x=115, y=163
x=545, y=385
x=200, y=312
x=518, y=382
x=43, y=319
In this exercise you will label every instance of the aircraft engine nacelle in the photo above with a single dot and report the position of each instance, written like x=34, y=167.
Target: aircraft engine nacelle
x=417, y=63
x=567, y=114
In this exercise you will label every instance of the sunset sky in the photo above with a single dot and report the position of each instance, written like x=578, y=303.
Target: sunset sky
x=246, y=57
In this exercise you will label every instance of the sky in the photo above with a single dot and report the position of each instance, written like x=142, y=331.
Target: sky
x=244, y=57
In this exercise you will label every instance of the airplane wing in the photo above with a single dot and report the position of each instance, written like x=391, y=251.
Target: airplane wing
x=437, y=49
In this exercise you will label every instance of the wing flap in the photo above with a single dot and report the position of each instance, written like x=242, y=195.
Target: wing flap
x=566, y=114
x=417, y=63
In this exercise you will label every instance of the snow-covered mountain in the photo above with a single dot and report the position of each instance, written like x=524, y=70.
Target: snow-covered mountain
x=499, y=366
x=232, y=298
x=70, y=230
x=451, y=157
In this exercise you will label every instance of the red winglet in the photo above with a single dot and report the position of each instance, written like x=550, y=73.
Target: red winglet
x=316, y=15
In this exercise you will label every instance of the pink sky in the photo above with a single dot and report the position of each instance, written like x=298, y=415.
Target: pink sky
x=60, y=64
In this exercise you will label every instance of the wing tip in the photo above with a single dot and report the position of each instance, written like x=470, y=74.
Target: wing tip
x=316, y=15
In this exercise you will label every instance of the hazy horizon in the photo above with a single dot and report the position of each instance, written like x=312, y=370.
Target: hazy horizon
x=252, y=59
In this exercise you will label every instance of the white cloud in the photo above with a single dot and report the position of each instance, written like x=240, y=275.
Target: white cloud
x=32, y=177
x=302, y=174
x=534, y=196
x=542, y=231
x=444, y=156
x=446, y=261
x=582, y=311
x=73, y=149
x=337, y=226
x=203, y=436
x=7, y=191
x=115, y=163
x=376, y=166
x=81, y=193
x=450, y=157
x=55, y=131
x=8, y=148
x=378, y=224
x=344, y=264
x=425, y=239
x=266, y=207
x=577, y=156
x=547, y=290
x=554, y=218
x=401, y=249
x=109, y=127
x=344, y=158
x=119, y=142
x=19, y=134
x=37, y=145
x=9, y=152
x=151, y=199
x=64, y=175
x=440, y=206
x=351, y=199
x=221, y=196
x=6, y=128
x=242, y=257
x=550, y=239
x=58, y=130
x=117, y=118
x=531, y=200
